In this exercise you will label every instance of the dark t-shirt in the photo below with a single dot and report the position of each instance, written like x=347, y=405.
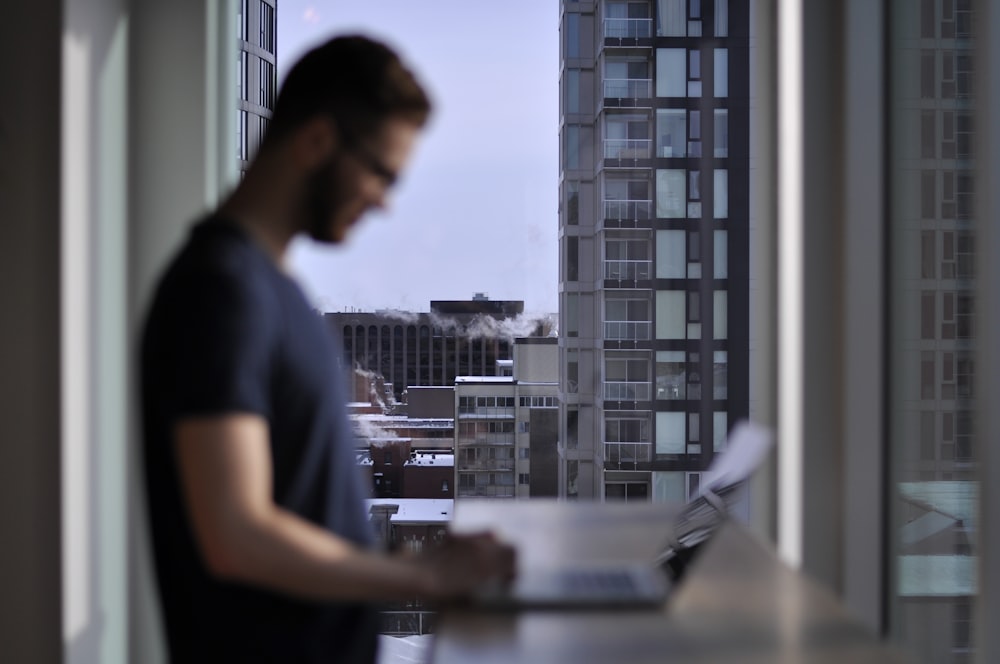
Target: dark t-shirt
x=228, y=332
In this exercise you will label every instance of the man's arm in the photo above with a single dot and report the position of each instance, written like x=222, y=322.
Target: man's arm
x=224, y=464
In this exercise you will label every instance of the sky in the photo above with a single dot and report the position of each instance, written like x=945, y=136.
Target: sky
x=476, y=211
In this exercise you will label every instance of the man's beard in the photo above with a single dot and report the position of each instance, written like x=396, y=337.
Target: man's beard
x=324, y=196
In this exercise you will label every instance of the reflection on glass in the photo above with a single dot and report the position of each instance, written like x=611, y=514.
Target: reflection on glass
x=931, y=329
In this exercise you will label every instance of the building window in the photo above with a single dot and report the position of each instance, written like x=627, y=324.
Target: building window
x=242, y=91
x=266, y=40
x=721, y=82
x=671, y=72
x=267, y=84
x=671, y=193
x=671, y=132
x=671, y=317
x=444, y=486
x=242, y=151
x=720, y=326
x=626, y=491
x=721, y=137
x=572, y=99
x=572, y=203
x=721, y=200
x=671, y=433
x=241, y=19
x=572, y=258
x=572, y=35
x=522, y=479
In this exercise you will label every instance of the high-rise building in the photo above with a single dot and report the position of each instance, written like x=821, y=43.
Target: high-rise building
x=932, y=330
x=256, y=74
x=654, y=242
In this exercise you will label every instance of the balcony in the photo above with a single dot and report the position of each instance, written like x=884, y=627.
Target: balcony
x=622, y=391
x=629, y=29
x=628, y=270
x=498, y=439
x=628, y=148
x=487, y=491
x=619, y=453
x=505, y=465
x=628, y=88
x=628, y=209
x=624, y=330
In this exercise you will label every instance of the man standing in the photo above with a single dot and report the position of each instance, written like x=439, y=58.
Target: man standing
x=260, y=535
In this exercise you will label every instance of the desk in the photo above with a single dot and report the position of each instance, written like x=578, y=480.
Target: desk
x=737, y=604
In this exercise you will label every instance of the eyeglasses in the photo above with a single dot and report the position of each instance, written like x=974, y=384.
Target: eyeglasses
x=378, y=168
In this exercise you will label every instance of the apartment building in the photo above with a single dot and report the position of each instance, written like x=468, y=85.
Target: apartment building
x=506, y=427
x=934, y=148
x=654, y=242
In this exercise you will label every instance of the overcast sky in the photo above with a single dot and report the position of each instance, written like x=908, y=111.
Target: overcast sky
x=477, y=209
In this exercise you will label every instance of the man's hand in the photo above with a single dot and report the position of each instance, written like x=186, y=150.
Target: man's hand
x=464, y=563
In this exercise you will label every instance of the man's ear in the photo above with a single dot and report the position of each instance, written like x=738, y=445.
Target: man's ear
x=315, y=141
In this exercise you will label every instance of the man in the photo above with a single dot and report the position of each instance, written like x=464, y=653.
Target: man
x=260, y=535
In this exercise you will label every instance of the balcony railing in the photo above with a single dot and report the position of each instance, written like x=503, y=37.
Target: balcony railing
x=628, y=209
x=487, y=491
x=503, y=439
x=629, y=88
x=621, y=391
x=486, y=464
x=487, y=413
x=618, y=453
x=628, y=269
x=627, y=330
x=628, y=28
x=628, y=148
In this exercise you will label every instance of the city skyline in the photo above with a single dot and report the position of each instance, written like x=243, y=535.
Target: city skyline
x=476, y=211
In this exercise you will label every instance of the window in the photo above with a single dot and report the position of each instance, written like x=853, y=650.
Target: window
x=572, y=35
x=671, y=254
x=572, y=203
x=266, y=40
x=671, y=132
x=268, y=84
x=523, y=453
x=671, y=76
x=721, y=187
x=721, y=73
x=671, y=193
x=572, y=99
x=671, y=378
x=721, y=128
x=572, y=258
x=242, y=147
x=671, y=316
x=241, y=76
x=523, y=479
x=671, y=434
x=241, y=19
x=720, y=244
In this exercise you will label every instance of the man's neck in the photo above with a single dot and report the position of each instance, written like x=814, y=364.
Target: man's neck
x=264, y=204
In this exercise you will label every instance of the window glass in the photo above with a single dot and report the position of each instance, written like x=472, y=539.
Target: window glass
x=721, y=73
x=671, y=18
x=670, y=315
x=721, y=137
x=671, y=79
x=572, y=90
x=721, y=189
x=572, y=35
x=671, y=437
x=671, y=259
x=720, y=329
x=721, y=258
x=671, y=194
x=670, y=375
x=671, y=132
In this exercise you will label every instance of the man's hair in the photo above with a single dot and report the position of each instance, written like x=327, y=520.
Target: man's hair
x=357, y=81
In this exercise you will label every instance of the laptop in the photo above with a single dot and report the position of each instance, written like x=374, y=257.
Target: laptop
x=648, y=584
